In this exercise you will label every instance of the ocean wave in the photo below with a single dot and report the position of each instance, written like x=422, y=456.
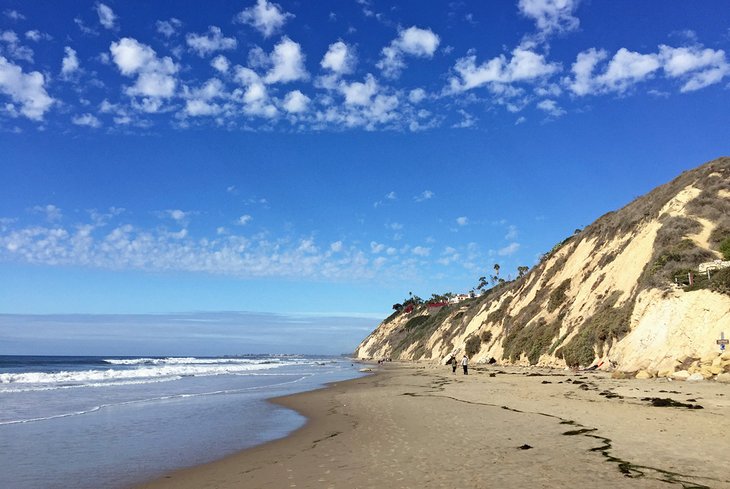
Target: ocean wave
x=188, y=361
x=87, y=377
x=17, y=388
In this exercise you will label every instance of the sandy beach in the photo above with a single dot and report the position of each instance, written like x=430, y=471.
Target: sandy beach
x=416, y=426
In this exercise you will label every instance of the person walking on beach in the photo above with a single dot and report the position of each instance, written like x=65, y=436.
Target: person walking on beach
x=465, y=364
x=453, y=363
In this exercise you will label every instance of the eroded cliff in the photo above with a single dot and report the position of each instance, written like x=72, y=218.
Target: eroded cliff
x=613, y=294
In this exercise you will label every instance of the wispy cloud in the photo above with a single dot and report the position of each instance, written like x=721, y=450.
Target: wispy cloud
x=107, y=17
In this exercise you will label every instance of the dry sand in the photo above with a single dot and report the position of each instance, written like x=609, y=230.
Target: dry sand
x=415, y=426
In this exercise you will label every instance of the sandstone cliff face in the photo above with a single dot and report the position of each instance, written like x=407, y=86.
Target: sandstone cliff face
x=605, y=295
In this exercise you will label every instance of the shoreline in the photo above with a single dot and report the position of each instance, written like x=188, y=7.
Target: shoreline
x=411, y=425
x=221, y=472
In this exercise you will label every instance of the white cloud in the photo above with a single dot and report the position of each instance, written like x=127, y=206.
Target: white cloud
x=448, y=256
x=213, y=40
x=414, y=41
x=36, y=36
x=523, y=66
x=627, y=68
x=107, y=18
x=267, y=17
x=467, y=120
x=153, y=85
x=168, y=28
x=509, y=250
x=551, y=15
x=551, y=107
x=388, y=196
x=132, y=57
x=199, y=100
x=155, y=80
x=89, y=31
x=377, y=247
x=417, y=95
x=213, y=88
x=425, y=195
x=13, y=48
x=462, y=221
x=339, y=58
x=307, y=246
x=255, y=96
x=359, y=93
x=177, y=214
x=295, y=102
x=51, y=212
x=70, y=62
x=698, y=67
x=418, y=42
x=198, y=107
x=88, y=120
x=585, y=63
x=109, y=244
x=220, y=63
x=511, y=232
x=624, y=70
x=287, y=62
x=13, y=15
x=421, y=251
x=363, y=107
x=244, y=219
x=26, y=89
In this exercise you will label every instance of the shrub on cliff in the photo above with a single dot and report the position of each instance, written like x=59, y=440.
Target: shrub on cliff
x=557, y=296
x=532, y=340
x=472, y=346
x=725, y=248
x=720, y=281
x=607, y=324
x=669, y=259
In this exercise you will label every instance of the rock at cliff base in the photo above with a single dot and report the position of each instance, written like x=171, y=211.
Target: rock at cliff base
x=681, y=375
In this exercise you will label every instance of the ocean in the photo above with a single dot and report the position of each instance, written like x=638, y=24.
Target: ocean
x=111, y=422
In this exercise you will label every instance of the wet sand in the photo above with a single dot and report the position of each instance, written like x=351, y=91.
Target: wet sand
x=415, y=426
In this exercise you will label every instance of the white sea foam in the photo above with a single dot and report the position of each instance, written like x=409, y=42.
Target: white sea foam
x=143, y=371
x=188, y=361
x=19, y=387
x=144, y=401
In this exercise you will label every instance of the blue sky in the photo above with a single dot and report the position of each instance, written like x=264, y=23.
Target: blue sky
x=326, y=158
